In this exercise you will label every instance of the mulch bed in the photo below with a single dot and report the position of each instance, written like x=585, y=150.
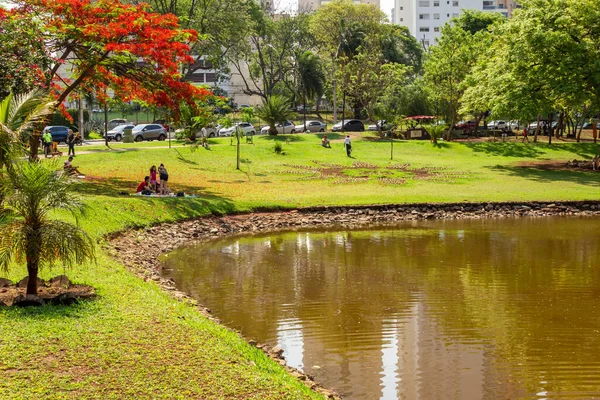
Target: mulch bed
x=58, y=290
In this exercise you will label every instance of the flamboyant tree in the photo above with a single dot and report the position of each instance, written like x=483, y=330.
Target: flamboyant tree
x=105, y=44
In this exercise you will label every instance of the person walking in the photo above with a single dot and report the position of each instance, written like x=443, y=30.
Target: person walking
x=525, y=138
x=348, y=145
x=47, y=140
x=71, y=142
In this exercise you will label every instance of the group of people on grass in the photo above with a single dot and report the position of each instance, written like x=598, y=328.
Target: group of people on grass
x=152, y=185
x=325, y=142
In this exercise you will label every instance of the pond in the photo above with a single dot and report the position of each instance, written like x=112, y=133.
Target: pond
x=471, y=309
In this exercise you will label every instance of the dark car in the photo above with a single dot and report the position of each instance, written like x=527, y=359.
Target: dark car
x=467, y=126
x=59, y=133
x=351, y=125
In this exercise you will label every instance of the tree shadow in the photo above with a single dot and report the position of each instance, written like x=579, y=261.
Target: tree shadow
x=506, y=149
x=330, y=136
x=585, y=150
x=589, y=178
x=184, y=160
x=442, y=145
x=282, y=138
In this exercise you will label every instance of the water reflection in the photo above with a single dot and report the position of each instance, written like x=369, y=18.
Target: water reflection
x=440, y=309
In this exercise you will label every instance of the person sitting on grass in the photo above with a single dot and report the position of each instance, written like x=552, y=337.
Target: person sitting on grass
x=144, y=187
x=70, y=168
x=325, y=142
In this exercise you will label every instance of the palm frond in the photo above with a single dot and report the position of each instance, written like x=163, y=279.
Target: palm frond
x=12, y=243
x=65, y=242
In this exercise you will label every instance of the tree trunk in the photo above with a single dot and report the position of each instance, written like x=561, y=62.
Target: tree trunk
x=272, y=130
x=537, y=129
x=237, y=135
x=34, y=143
x=334, y=83
x=304, y=109
x=477, y=121
x=551, y=129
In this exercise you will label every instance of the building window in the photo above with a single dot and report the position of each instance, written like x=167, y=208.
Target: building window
x=436, y=28
x=211, y=78
x=401, y=8
x=436, y=16
x=423, y=3
x=401, y=19
x=436, y=3
x=424, y=16
x=454, y=15
x=425, y=43
x=424, y=29
x=454, y=3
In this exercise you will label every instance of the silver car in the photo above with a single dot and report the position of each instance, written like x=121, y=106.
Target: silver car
x=312, y=126
x=284, y=127
x=117, y=132
x=149, y=132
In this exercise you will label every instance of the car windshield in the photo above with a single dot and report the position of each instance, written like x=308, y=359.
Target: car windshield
x=139, y=128
x=120, y=128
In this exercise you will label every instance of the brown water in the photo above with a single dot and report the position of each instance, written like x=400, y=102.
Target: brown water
x=488, y=309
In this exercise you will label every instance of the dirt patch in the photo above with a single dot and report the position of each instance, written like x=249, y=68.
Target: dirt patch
x=554, y=165
x=58, y=290
x=363, y=172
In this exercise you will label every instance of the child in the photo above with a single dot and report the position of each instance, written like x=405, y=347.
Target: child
x=153, y=178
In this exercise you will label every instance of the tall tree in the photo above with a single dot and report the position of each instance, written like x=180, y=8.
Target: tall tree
x=274, y=110
x=311, y=78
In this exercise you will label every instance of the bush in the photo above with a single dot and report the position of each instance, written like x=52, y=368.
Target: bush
x=278, y=148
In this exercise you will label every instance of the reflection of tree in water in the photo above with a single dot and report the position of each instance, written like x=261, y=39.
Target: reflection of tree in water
x=524, y=290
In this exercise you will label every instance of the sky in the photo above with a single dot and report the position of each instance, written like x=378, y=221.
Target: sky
x=386, y=5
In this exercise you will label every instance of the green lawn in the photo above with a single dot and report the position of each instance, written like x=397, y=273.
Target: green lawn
x=136, y=342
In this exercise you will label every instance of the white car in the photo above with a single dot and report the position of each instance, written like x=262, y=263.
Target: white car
x=246, y=126
x=285, y=127
x=499, y=125
x=209, y=131
x=312, y=126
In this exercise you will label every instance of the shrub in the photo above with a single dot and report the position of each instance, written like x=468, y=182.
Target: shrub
x=278, y=148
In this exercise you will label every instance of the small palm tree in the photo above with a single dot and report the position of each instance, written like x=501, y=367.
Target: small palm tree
x=274, y=110
x=28, y=234
x=19, y=114
x=435, y=132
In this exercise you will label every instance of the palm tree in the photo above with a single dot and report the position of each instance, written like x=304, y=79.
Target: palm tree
x=19, y=115
x=274, y=110
x=311, y=78
x=32, y=191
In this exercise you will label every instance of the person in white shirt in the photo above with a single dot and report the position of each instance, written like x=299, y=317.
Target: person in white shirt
x=348, y=145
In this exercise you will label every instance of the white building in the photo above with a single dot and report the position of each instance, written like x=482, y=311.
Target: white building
x=312, y=5
x=424, y=18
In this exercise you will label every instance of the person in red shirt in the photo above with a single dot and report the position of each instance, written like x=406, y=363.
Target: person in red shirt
x=525, y=138
x=144, y=185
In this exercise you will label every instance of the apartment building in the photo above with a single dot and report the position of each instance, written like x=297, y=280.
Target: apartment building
x=424, y=18
x=312, y=5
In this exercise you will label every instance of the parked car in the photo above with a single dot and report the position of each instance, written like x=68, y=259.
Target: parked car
x=515, y=125
x=59, y=133
x=116, y=122
x=117, y=132
x=246, y=126
x=351, y=125
x=284, y=127
x=385, y=126
x=209, y=131
x=163, y=123
x=149, y=132
x=303, y=109
x=312, y=126
x=589, y=125
x=498, y=125
x=466, y=125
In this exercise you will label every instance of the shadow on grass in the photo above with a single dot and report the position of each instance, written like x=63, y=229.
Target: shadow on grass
x=330, y=136
x=184, y=160
x=282, y=138
x=589, y=178
x=506, y=149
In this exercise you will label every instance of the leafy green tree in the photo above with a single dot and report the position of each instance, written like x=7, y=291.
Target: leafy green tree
x=32, y=192
x=451, y=60
x=311, y=78
x=274, y=110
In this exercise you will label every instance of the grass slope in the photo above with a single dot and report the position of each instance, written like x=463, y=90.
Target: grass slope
x=136, y=342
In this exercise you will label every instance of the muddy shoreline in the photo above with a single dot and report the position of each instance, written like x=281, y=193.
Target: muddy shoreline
x=139, y=249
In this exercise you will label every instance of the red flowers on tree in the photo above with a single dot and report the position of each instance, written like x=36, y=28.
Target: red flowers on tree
x=104, y=44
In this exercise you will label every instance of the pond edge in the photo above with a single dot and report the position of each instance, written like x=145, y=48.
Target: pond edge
x=140, y=249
